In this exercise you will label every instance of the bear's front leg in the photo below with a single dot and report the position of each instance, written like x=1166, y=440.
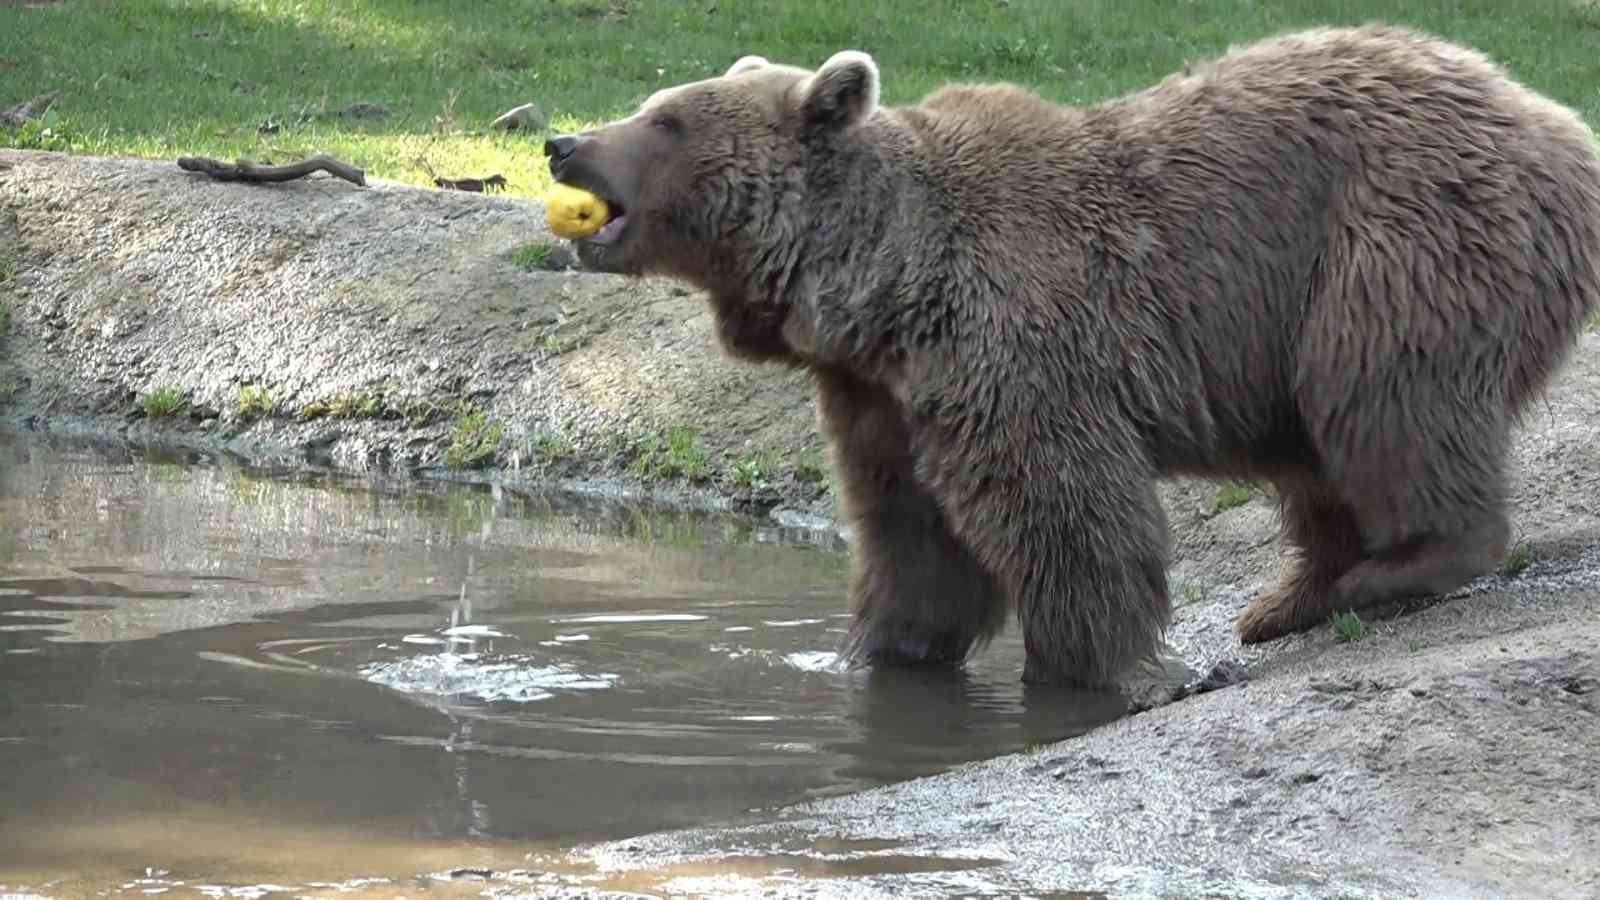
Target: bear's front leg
x=917, y=594
x=1061, y=505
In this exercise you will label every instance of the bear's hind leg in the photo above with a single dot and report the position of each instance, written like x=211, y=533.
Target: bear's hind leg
x=918, y=595
x=1426, y=567
x=1423, y=471
x=1414, y=351
x=1327, y=541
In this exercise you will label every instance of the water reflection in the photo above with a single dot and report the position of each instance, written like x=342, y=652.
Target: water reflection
x=181, y=642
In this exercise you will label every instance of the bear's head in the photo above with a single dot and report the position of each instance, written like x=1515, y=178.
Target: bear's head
x=706, y=182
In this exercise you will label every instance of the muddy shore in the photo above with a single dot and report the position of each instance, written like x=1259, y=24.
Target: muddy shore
x=1449, y=750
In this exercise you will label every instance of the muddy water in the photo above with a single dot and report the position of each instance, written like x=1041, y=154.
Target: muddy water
x=211, y=675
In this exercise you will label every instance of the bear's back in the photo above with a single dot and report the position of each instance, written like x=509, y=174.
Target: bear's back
x=1372, y=189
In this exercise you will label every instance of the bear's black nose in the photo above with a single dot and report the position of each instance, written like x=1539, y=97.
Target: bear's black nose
x=560, y=146
x=560, y=149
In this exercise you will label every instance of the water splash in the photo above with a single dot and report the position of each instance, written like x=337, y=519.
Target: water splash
x=813, y=661
x=514, y=678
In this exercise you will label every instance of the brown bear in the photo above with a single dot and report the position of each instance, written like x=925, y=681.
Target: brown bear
x=1340, y=260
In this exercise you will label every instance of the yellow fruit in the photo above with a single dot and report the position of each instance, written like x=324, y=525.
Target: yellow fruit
x=574, y=213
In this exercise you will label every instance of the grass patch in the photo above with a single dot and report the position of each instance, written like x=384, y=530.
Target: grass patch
x=550, y=447
x=276, y=79
x=554, y=343
x=679, y=453
x=810, y=467
x=474, y=439
x=353, y=406
x=1517, y=560
x=346, y=405
x=426, y=411
x=1348, y=627
x=1232, y=494
x=1191, y=592
x=162, y=402
x=253, y=401
x=1594, y=320
x=48, y=132
x=8, y=389
x=755, y=470
x=533, y=254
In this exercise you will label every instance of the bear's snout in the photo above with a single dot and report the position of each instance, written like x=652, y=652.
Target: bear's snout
x=560, y=148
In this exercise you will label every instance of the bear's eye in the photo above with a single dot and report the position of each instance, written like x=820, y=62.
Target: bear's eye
x=667, y=122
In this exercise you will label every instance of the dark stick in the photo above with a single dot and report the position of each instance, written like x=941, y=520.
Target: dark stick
x=245, y=170
x=479, y=185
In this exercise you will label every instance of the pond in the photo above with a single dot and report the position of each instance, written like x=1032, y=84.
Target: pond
x=217, y=677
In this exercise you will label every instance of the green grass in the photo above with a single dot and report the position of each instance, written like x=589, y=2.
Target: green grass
x=253, y=401
x=1517, y=560
x=1230, y=495
x=200, y=76
x=1348, y=627
x=346, y=405
x=755, y=470
x=810, y=466
x=550, y=447
x=532, y=255
x=474, y=438
x=46, y=132
x=1191, y=592
x=162, y=402
x=679, y=453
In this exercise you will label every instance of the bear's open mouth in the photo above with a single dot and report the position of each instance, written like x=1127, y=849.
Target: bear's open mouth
x=610, y=231
x=616, y=213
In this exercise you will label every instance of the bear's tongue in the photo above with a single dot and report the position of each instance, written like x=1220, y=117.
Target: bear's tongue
x=610, y=230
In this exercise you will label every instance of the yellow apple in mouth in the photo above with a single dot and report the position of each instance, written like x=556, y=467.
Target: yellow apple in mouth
x=574, y=213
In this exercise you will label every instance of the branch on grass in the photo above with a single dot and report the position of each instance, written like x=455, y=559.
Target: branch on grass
x=245, y=170
x=19, y=113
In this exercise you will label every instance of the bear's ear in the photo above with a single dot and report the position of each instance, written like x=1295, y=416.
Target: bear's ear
x=842, y=93
x=746, y=64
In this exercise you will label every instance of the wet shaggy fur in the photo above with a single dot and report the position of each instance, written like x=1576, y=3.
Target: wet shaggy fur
x=1342, y=260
